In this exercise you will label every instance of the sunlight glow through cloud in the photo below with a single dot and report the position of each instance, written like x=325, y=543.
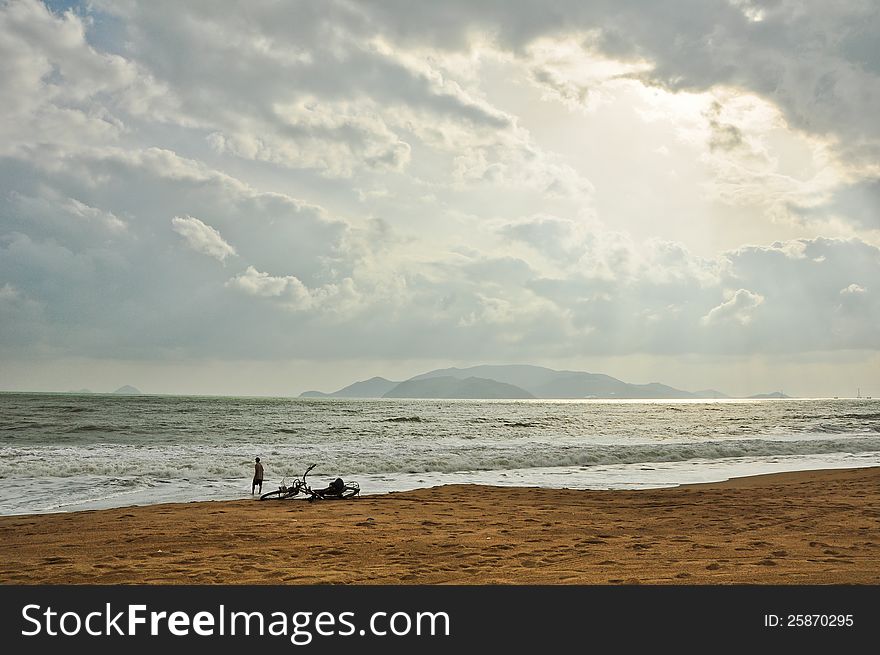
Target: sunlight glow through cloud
x=407, y=182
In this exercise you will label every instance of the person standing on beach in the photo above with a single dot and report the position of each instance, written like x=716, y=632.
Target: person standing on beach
x=258, y=477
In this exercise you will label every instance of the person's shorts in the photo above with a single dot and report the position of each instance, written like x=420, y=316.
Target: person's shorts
x=258, y=480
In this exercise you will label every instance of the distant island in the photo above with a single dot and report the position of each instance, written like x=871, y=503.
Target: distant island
x=516, y=381
x=450, y=387
x=128, y=390
x=372, y=388
x=775, y=394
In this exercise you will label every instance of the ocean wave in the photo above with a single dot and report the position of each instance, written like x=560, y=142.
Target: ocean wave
x=869, y=416
x=25, y=425
x=202, y=462
x=92, y=427
x=505, y=422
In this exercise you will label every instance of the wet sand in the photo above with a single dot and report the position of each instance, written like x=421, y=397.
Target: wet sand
x=813, y=527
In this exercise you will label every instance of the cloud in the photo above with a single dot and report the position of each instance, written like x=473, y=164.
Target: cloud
x=8, y=293
x=202, y=238
x=725, y=136
x=312, y=285
x=326, y=90
x=559, y=239
x=333, y=137
x=739, y=308
x=575, y=75
x=816, y=60
x=263, y=284
x=59, y=89
x=374, y=186
x=313, y=88
x=816, y=64
x=132, y=292
x=853, y=289
x=857, y=201
x=293, y=292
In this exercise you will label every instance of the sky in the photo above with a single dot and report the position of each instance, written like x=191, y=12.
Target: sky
x=261, y=198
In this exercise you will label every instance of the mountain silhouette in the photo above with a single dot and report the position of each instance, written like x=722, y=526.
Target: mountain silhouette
x=509, y=381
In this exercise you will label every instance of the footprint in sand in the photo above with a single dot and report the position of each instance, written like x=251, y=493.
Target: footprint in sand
x=333, y=552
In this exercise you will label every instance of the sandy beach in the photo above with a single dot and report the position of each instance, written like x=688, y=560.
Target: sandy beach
x=814, y=527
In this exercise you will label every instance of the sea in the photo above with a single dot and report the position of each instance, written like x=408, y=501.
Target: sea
x=68, y=452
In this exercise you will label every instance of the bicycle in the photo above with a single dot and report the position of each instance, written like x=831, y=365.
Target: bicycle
x=284, y=492
x=336, y=490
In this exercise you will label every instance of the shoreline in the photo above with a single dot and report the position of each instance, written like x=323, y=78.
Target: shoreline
x=660, y=476
x=803, y=527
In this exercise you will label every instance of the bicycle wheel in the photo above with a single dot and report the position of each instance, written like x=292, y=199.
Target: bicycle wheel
x=278, y=494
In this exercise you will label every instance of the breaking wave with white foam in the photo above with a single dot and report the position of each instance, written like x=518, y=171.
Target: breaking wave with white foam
x=68, y=452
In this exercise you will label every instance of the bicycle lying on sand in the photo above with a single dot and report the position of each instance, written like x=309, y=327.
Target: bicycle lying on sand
x=338, y=489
